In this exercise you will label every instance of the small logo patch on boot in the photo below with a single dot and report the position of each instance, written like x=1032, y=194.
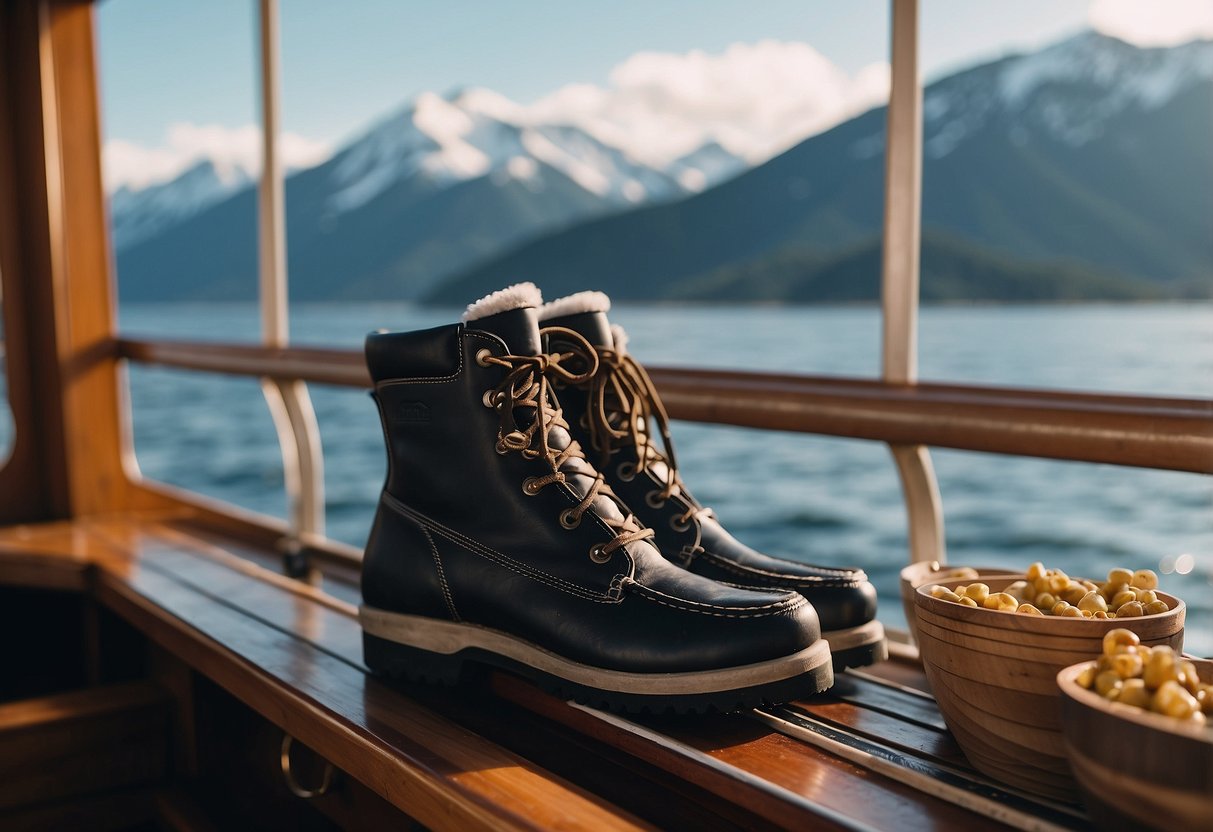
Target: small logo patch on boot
x=411, y=413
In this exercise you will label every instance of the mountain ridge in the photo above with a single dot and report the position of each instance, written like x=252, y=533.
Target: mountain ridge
x=1133, y=198
x=1087, y=150
x=440, y=183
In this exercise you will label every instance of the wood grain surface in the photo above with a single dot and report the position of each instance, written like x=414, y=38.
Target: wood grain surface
x=497, y=752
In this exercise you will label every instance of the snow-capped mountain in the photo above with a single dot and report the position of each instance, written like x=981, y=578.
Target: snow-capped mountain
x=138, y=215
x=1090, y=151
x=428, y=191
x=710, y=165
x=477, y=132
x=1071, y=92
x=435, y=143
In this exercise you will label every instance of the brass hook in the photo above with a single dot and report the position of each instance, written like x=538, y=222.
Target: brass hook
x=326, y=780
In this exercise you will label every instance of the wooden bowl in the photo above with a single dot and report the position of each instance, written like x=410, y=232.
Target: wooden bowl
x=1137, y=769
x=931, y=571
x=994, y=675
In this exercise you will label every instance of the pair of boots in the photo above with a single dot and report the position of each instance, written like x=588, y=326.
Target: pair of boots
x=498, y=542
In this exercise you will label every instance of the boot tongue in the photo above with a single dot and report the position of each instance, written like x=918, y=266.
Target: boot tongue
x=519, y=328
x=593, y=326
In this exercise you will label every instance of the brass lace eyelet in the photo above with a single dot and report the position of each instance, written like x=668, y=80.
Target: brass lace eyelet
x=569, y=519
x=626, y=471
x=482, y=357
x=676, y=526
x=489, y=399
x=597, y=555
x=530, y=488
x=654, y=499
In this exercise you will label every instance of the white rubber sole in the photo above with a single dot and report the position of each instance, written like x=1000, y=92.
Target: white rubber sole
x=857, y=646
x=860, y=636
x=449, y=638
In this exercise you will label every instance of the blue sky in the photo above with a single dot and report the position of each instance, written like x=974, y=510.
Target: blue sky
x=167, y=62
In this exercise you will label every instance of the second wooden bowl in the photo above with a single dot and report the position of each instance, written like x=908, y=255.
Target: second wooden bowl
x=1138, y=770
x=994, y=675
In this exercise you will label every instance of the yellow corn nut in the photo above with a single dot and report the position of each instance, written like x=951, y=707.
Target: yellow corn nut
x=1146, y=596
x=1074, y=612
x=1130, y=610
x=1106, y=682
x=1155, y=608
x=1036, y=570
x=978, y=592
x=1206, y=699
x=1159, y=668
x=1185, y=674
x=1093, y=602
x=940, y=592
x=1144, y=579
x=1110, y=590
x=1133, y=692
x=1046, y=600
x=1000, y=601
x=1029, y=609
x=1073, y=593
x=1021, y=590
x=1059, y=608
x=1120, y=636
x=1058, y=583
x=967, y=601
x=1104, y=615
x=1086, y=676
x=1127, y=665
x=1172, y=700
x=1120, y=575
x=1121, y=598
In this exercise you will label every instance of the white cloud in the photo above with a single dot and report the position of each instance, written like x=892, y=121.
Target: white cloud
x=232, y=149
x=1153, y=22
x=754, y=99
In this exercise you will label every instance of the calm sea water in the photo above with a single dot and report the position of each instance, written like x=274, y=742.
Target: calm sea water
x=825, y=500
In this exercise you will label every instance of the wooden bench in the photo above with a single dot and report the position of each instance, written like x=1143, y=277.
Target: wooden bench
x=222, y=631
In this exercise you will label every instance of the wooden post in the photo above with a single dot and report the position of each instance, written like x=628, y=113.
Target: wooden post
x=71, y=433
x=899, y=292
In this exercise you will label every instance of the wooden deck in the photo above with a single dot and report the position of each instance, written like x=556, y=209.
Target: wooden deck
x=872, y=754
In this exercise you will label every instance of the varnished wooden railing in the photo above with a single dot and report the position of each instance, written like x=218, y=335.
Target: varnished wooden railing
x=1148, y=432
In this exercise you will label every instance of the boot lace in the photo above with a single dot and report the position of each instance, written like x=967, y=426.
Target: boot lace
x=622, y=405
x=527, y=387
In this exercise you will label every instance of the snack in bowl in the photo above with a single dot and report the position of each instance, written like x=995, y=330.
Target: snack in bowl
x=1124, y=594
x=1165, y=781
x=916, y=574
x=994, y=676
x=1149, y=678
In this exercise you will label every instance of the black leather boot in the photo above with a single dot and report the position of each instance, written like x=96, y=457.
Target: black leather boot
x=612, y=413
x=496, y=542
